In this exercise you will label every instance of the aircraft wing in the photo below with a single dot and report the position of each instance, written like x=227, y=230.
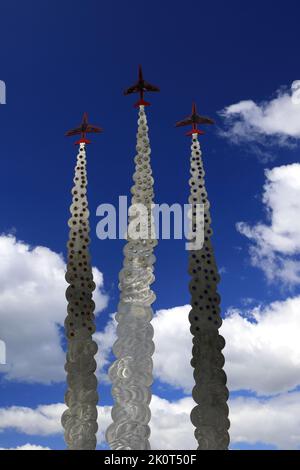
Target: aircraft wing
x=74, y=132
x=133, y=89
x=185, y=122
x=204, y=120
x=150, y=87
x=94, y=129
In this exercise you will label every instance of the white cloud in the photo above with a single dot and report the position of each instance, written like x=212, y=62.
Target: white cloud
x=262, y=348
x=278, y=119
x=41, y=421
x=173, y=346
x=276, y=245
x=171, y=364
x=274, y=421
x=27, y=447
x=45, y=420
x=104, y=420
x=32, y=307
x=166, y=434
x=262, y=354
x=105, y=340
x=171, y=427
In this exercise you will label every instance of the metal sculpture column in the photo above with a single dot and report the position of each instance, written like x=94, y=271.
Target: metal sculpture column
x=131, y=373
x=80, y=418
x=210, y=416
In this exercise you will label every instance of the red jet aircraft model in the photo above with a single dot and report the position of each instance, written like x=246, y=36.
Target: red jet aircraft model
x=194, y=119
x=141, y=86
x=85, y=128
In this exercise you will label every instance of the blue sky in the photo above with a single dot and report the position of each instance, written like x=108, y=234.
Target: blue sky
x=59, y=59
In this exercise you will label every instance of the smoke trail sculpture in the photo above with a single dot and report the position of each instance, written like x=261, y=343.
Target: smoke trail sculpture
x=210, y=416
x=80, y=418
x=131, y=373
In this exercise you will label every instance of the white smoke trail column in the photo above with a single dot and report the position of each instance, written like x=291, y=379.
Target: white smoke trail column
x=80, y=419
x=210, y=416
x=131, y=373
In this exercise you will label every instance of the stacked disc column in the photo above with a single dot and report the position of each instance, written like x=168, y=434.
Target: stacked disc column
x=80, y=418
x=210, y=416
x=131, y=373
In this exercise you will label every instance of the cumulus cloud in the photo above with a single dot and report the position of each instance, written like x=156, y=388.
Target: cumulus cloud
x=262, y=349
x=274, y=422
x=278, y=117
x=32, y=310
x=105, y=340
x=27, y=447
x=262, y=355
x=171, y=364
x=166, y=434
x=45, y=420
x=41, y=421
x=171, y=427
x=173, y=345
x=276, y=244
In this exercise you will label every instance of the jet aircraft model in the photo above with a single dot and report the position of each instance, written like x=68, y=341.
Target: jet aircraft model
x=194, y=119
x=83, y=129
x=141, y=86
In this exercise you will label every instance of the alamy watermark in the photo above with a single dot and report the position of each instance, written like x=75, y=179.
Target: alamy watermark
x=156, y=221
x=2, y=92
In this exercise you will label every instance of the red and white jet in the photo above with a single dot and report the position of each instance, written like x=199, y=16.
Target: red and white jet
x=83, y=129
x=141, y=86
x=194, y=119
